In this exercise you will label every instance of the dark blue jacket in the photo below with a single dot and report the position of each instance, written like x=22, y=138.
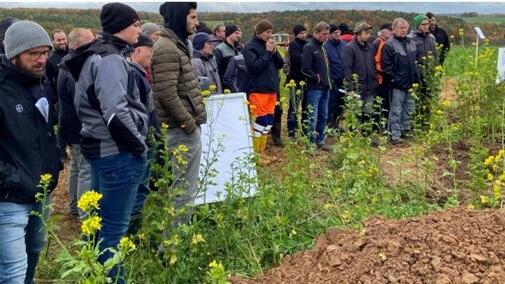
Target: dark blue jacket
x=334, y=51
x=295, y=50
x=262, y=67
x=27, y=141
x=69, y=123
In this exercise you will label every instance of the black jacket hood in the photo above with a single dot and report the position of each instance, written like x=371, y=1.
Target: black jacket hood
x=174, y=15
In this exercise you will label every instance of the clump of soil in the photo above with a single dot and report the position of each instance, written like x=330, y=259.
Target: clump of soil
x=455, y=246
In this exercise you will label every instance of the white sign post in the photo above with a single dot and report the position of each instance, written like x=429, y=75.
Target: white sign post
x=480, y=35
x=500, y=77
x=226, y=149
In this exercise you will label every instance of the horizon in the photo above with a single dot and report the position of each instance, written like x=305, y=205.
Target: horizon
x=445, y=8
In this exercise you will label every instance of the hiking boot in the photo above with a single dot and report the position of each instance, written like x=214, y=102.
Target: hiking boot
x=277, y=141
x=407, y=135
x=397, y=141
x=324, y=147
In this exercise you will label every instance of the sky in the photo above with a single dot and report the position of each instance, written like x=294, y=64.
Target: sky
x=417, y=7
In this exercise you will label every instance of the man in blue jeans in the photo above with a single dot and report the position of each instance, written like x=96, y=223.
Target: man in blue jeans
x=315, y=66
x=27, y=149
x=114, y=121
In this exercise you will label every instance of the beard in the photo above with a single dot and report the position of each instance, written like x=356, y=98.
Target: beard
x=33, y=71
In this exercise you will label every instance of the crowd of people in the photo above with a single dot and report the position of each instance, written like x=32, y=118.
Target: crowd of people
x=105, y=92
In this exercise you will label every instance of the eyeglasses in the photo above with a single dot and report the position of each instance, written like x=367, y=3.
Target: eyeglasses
x=38, y=54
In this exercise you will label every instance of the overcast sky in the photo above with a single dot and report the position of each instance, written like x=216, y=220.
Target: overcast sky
x=419, y=7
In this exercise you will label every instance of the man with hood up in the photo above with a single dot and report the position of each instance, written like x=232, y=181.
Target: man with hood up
x=178, y=101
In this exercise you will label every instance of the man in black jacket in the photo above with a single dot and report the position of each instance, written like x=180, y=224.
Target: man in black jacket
x=441, y=37
x=28, y=149
x=315, y=66
x=359, y=68
x=399, y=67
x=334, y=47
x=263, y=63
x=79, y=177
x=295, y=49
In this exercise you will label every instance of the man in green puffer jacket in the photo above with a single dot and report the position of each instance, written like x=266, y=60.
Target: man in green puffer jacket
x=178, y=101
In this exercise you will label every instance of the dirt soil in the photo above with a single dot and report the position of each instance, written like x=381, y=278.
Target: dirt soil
x=456, y=246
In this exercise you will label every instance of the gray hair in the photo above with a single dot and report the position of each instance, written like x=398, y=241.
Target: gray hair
x=398, y=21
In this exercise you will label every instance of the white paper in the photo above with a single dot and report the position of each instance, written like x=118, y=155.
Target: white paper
x=227, y=137
x=43, y=107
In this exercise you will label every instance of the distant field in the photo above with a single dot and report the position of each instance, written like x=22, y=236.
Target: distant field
x=483, y=19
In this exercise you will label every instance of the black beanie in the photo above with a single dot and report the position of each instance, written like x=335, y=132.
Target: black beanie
x=115, y=17
x=333, y=28
x=230, y=29
x=298, y=29
x=344, y=28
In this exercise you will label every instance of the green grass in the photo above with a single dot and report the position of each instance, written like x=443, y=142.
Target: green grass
x=485, y=19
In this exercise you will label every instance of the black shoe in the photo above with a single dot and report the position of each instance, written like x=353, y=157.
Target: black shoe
x=324, y=147
x=407, y=135
x=397, y=141
x=277, y=141
x=376, y=142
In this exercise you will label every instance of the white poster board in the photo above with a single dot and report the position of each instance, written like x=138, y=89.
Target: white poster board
x=226, y=148
x=479, y=32
x=501, y=65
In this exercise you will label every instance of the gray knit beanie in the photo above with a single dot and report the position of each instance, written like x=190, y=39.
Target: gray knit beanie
x=150, y=28
x=23, y=36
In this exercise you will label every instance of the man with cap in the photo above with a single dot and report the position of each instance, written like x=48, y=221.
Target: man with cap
x=359, y=60
x=178, y=100
x=424, y=40
x=227, y=49
x=28, y=149
x=399, y=67
x=114, y=121
x=204, y=67
x=140, y=60
x=334, y=46
x=426, y=60
x=263, y=63
x=79, y=173
x=295, y=49
x=151, y=30
x=383, y=89
x=441, y=37
x=316, y=68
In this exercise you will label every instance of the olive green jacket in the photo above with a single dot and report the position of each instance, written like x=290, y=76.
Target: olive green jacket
x=177, y=99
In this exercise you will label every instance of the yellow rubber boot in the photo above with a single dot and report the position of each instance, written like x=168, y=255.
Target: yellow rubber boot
x=263, y=143
x=257, y=144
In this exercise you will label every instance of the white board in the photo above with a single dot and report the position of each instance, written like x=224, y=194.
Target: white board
x=226, y=141
x=501, y=65
x=480, y=33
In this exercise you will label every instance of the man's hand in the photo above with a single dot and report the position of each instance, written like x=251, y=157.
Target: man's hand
x=270, y=46
x=318, y=78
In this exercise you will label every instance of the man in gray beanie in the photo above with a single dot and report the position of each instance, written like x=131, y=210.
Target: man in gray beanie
x=152, y=30
x=28, y=149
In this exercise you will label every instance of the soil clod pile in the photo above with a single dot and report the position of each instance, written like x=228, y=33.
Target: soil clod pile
x=455, y=246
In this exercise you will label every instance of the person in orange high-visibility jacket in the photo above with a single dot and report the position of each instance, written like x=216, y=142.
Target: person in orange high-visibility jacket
x=383, y=90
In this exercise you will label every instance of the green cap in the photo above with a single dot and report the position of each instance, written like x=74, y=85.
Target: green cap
x=418, y=20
